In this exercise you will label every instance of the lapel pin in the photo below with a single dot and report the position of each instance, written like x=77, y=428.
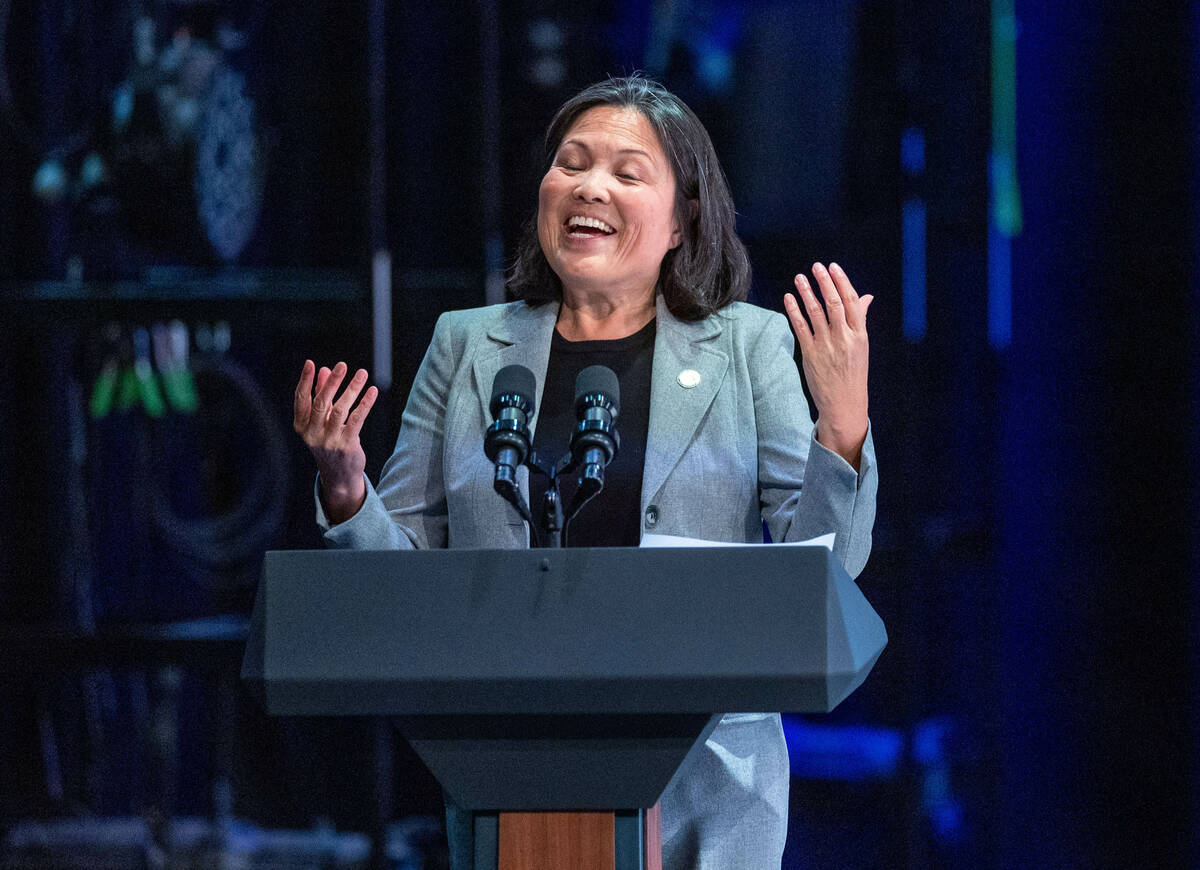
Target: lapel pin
x=689, y=378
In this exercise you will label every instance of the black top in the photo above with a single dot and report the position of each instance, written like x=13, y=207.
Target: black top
x=612, y=518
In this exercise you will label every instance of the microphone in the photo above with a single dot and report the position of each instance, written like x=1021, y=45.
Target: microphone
x=506, y=442
x=595, y=441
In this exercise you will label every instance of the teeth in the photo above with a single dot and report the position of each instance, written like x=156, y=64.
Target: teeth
x=579, y=221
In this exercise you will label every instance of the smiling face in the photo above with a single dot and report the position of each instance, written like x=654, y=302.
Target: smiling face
x=606, y=207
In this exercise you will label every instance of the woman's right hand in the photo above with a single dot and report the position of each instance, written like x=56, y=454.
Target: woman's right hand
x=330, y=429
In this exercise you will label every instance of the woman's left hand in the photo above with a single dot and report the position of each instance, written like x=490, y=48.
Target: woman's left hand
x=834, y=353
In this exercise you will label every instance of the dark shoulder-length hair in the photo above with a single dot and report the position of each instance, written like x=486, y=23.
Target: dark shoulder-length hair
x=709, y=268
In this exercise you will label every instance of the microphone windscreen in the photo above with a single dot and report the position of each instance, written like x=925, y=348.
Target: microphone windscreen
x=513, y=379
x=598, y=379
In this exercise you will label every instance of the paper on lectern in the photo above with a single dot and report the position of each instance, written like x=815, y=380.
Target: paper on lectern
x=825, y=541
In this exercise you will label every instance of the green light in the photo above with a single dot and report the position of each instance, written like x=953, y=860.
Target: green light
x=1006, y=192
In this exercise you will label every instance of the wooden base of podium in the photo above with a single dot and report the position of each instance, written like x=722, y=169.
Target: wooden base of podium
x=581, y=841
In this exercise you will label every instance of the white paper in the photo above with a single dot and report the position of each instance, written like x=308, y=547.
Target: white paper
x=650, y=540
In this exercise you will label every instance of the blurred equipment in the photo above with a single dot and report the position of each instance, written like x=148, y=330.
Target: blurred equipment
x=123, y=843
x=179, y=476
x=209, y=460
x=173, y=148
x=228, y=168
x=183, y=124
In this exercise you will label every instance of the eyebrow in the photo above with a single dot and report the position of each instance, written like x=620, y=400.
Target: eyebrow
x=635, y=151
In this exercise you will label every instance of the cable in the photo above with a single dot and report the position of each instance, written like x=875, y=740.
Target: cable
x=239, y=535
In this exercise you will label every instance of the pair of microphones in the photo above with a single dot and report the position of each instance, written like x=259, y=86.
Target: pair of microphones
x=594, y=440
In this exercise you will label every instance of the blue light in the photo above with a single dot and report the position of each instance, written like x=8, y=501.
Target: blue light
x=842, y=752
x=929, y=739
x=999, y=287
x=912, y=151
x=930, y=751
x=858, y=753
x=912, y=277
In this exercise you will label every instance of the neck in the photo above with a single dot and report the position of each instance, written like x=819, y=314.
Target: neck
x=594, y=317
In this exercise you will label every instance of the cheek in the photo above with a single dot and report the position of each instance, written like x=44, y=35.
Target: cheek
x=654, y=230
x=544, y=221
x=630, y=239
x=645, y=243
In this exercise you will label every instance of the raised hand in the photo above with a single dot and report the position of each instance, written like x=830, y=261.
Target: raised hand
x=834, y=353
x=330, y=429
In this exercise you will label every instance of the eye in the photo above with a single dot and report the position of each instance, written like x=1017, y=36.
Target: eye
x=627, y=176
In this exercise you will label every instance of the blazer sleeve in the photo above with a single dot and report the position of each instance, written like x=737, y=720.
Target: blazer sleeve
x=408, y=510
x=806, y=489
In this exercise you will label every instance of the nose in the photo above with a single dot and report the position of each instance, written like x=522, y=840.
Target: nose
x=590, y=187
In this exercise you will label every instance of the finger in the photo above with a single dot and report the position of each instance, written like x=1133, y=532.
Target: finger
x=323, y=400
x=341, y=408
x=302, y=402
x=318, y=412
x=322, y=377
x=849, y=295
x=842, y=280
x=835, y=308
x=812, y=305
x=800, y=326
x=358, y=416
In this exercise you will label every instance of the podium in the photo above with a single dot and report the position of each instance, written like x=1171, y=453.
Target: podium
x=555, y=693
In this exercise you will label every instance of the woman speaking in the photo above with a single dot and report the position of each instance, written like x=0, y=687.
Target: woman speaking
x=632, y=262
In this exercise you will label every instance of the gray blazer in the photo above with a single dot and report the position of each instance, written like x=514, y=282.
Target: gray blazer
x=722, y=457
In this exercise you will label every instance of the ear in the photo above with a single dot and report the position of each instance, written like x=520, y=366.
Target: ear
x=693, y=209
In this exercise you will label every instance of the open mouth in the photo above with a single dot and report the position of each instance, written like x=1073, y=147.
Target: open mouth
x=579, y=227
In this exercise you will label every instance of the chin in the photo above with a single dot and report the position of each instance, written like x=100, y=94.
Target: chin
x=587, y=273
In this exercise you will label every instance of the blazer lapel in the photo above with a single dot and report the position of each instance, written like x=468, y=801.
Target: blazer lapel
x=521, y=337
x=681, y=351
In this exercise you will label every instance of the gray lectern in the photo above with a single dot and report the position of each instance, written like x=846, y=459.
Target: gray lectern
x=558, y=684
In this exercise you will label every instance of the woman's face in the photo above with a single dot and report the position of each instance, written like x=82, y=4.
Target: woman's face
x=606, y=207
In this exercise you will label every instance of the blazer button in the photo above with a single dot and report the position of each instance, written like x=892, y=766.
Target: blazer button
x=651, y=516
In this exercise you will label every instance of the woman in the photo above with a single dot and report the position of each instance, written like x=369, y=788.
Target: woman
x=632, y=260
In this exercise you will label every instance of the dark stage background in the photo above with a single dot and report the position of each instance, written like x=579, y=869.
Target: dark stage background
x=196, y=196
